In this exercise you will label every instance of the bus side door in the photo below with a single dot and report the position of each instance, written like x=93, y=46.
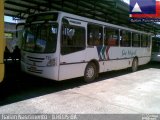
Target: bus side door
x=72, y=55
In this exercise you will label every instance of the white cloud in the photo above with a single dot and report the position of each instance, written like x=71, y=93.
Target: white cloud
x=9, y=19
x=126, y=1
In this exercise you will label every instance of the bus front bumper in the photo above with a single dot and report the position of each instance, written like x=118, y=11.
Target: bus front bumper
x=45, y=72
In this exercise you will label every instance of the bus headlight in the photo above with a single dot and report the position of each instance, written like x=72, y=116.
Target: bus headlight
x=51, y=62
x=158, y=55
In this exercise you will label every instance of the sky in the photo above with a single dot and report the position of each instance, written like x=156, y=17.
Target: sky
x=127, y=1
x=9, y=19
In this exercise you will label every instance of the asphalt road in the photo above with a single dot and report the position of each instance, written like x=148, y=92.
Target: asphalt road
x=21, y=86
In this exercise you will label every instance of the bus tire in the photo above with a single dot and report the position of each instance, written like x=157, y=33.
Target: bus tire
x=90, y=72
x=134, y=65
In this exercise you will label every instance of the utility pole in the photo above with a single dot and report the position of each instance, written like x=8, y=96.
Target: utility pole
x=2, y=40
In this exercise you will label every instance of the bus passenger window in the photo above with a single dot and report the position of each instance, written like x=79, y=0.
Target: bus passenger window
x=73, y=39
x=149, y=41
x=111, y=37
x=144, y=40
x=125, y=38
x=135, y=40
x=95, y=35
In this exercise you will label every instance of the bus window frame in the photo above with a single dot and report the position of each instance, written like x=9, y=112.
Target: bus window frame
x=129, y=41
x=139, y=44
x=61, y=38
x=101, y=40
x=118, y=35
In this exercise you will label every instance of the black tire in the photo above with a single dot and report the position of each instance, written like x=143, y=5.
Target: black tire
x=90, y=72
x=134, y=67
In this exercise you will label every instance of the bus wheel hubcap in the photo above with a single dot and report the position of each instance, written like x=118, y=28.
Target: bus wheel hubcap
x=135, y=65
x=90, y=72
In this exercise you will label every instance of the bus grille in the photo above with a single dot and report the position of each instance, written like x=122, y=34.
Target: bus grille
x=34, y=62
x=35, y=59
x=34, y=70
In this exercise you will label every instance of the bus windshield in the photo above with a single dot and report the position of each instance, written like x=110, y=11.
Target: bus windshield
x=40, y=37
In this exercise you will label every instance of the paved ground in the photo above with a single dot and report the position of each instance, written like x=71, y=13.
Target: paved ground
x=113, y=92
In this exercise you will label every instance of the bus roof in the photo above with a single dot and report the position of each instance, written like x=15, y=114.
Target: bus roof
x=77, y=17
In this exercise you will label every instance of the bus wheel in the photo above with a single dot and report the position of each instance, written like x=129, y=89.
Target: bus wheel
x=90, y=72
x=134, y=65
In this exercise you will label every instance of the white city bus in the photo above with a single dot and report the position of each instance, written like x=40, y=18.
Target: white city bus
x=60, y=46
x=155, y=49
